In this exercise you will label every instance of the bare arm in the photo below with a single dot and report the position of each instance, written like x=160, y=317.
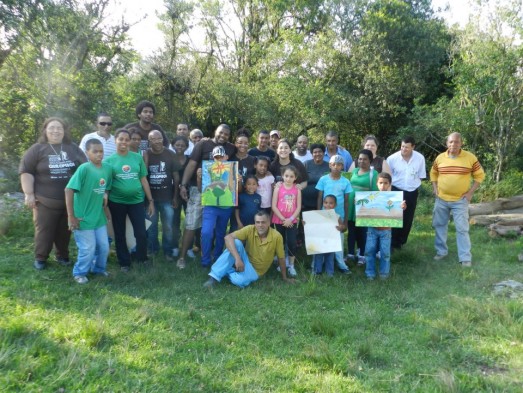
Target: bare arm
x=148, y=195
x=27, y=180
x=385, y=167
x=73, y=221
x=187, y=174
x=238, y=263
x=319, y=202
x=470, y=192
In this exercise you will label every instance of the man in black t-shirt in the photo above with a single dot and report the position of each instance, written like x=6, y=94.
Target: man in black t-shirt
x=145, y=111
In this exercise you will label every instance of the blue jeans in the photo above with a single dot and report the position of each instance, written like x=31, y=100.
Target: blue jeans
x=440, y=223
x=92, y=245
x=383, y=238
x=164, y=211
x=214, y=225
x=136, y=214
x=224, y=266
x=327, y=259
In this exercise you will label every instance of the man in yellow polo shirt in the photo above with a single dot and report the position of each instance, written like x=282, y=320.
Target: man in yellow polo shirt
x=451, y=176
x=243, y=264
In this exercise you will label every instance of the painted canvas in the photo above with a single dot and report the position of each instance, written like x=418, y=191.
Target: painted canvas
x=219, y=183
x=321, y=235
x=379, y=209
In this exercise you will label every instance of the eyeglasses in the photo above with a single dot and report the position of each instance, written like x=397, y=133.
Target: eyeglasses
x=103, y=123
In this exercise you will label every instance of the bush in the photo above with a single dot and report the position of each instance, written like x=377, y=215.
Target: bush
x=510, y=185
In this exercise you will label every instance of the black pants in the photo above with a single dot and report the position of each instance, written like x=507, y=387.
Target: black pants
x=400, y=235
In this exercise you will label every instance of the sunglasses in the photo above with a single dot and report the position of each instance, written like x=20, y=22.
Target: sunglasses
x=103, y=123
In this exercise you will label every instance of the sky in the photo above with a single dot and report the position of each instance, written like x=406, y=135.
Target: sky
x=146, y=38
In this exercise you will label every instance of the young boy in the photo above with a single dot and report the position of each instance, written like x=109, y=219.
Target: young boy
x=382, y=236
x=86, y=199
x=335, y=184
x=327, y=259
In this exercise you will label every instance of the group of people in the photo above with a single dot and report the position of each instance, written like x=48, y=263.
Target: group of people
x=139, y=173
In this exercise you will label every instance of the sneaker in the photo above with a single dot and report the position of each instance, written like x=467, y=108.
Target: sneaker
x=370, y=278
x=345, y=271
x=292, y=271
x=125, y=269
x=190, y=254
x=181, y=263
x=350, y=257
x=466, y=264
x=210, y=283
x=81, y=279
x=361, y=260
x=63, y=261
x=103, y=274
x=439, y=257
x=176, y=252
x=39, y=265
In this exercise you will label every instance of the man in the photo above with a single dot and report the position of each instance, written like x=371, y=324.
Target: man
x=243, y=264
x=450, y=175
x=407, y=168
x=162, y=168
x=302, y=152
x=331, y=142
x=103, y=125
x=182, y=129
x=145, y=112
x=262, y=149
x=274, y=137
x=188, y=188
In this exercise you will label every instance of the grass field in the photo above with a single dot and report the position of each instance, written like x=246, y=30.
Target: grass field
x=432, y=327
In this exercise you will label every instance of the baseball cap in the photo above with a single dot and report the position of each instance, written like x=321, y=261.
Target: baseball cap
x=275, y=132
x=218, y=151
x=337, y=159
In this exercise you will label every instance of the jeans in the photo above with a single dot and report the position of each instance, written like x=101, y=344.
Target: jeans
x=321, y=259
x=136, y=214
x=214, y=225
x=92, y=244
x=164, y=211
x=177, y=220
x=440, y=223
x=339, y=256
x=224, y=266
x=383, y=238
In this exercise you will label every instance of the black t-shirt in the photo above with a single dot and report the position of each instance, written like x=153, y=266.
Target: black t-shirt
x=255, y=152
x=276, y=168
x=203, y=151
x=160, y=168
x=144, y=144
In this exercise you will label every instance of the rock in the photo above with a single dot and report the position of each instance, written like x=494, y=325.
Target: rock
x=510, y=288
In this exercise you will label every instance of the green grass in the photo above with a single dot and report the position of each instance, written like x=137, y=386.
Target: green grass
x=432, y=327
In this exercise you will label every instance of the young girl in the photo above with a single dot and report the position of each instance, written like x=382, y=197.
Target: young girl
x=248, y=204
x=265, y=182
x=286, y=207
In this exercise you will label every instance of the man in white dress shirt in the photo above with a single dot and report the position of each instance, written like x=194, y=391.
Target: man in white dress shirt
x=302, y=152
x=408, y=169
x=103, y=125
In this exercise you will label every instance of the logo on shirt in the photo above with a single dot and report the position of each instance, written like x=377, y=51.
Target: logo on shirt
x=102, y=182
x=126, y=168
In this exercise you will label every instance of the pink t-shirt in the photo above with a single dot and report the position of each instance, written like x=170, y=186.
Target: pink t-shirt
x=287, y=203
x=265, y=190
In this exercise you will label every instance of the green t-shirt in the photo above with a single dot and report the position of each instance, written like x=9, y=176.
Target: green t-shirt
x=127, y=172
x=90, y=183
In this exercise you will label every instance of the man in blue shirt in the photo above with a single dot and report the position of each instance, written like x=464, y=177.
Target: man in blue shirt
x=331, y=141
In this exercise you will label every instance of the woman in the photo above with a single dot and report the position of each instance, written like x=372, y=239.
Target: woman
x=315, y=168
x=284, y=158
x=136, y=140
x=45, y=170
x=363, y=178
x=127, y=198
x=370, y=142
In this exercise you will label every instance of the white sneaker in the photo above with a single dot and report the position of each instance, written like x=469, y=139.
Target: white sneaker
x=81, y=279
x=190, y=254
x=292, y=271
x=176, y=252
x=361, y=260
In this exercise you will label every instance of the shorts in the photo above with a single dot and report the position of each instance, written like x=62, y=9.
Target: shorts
x=193, y=213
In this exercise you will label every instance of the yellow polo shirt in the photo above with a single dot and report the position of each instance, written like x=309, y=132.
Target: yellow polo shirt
x=261, y=253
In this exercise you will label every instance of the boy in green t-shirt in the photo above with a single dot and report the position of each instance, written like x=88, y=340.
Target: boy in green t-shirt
x=86, y=201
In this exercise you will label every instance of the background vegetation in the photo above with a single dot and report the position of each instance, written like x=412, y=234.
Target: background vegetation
x=386, y=67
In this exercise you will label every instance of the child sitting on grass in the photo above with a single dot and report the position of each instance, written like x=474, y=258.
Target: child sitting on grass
x=381, y=236
x=86, y=199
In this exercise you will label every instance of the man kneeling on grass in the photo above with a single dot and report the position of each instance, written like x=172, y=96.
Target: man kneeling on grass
x=243, y=264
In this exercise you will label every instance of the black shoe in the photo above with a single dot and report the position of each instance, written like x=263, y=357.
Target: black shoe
x=63, y=261
x=210, y=283
x=39, y=265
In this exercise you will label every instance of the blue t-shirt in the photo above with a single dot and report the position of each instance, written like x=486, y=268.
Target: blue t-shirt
x=248, y=205
x=339, y=188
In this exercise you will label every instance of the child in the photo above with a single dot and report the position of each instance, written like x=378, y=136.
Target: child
x=86, y=199
x=286, y=207
x=382, y=236
x=327, y=259
x=265, y=182
x=214, y=221
x=248, y=204
x=339, y=186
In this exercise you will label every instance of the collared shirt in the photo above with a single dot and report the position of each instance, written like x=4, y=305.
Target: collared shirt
x=347, y=159
x=407, y=175
x=108, y=144
x=261, y=252
x=453, y=174
x=306, y=157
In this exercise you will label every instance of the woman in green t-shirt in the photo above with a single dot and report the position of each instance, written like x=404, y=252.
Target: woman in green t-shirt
x=127, y=198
